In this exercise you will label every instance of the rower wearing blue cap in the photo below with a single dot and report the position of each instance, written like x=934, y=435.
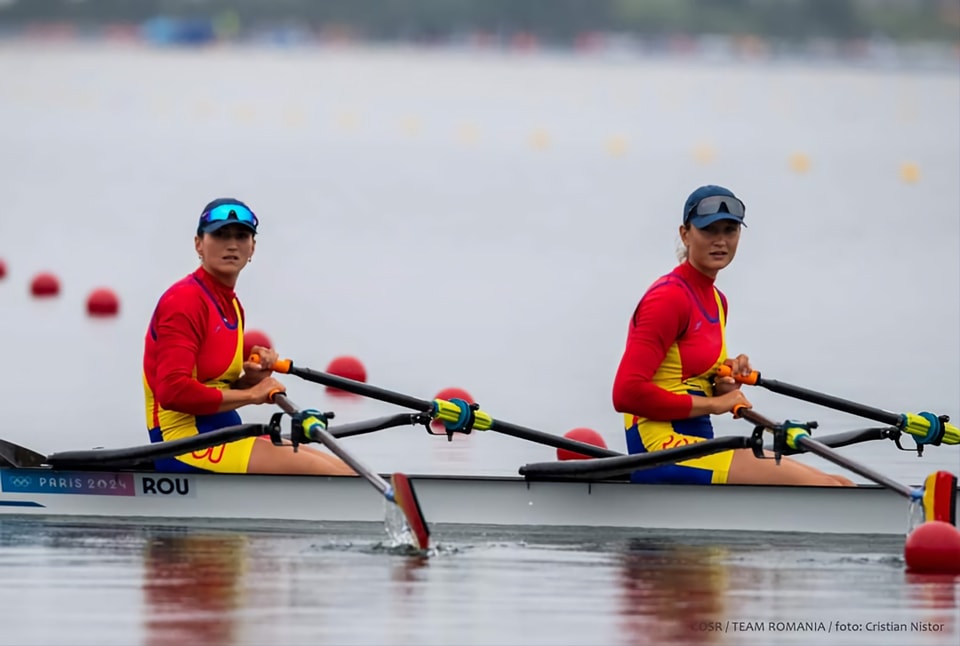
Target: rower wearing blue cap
x=667, y=385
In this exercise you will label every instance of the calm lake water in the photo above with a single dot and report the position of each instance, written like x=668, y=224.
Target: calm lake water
x=489, y=223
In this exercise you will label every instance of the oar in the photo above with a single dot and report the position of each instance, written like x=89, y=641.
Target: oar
x=937, y=497
x=457, y=415
x=926, y=428
x=398, y=492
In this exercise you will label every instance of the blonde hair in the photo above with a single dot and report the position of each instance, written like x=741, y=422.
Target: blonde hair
x=682, y=251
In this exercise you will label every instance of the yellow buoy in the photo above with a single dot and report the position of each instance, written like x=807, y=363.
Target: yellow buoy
x=799, y=163
x=161, y=106
x=704, y=153
x=294, y=117
x=539, y=139
x=617, y=146
x=244, y=113
x=910, y=172
x=410, y=125
x=467, y=133
x=347, y=121
x=203, y=108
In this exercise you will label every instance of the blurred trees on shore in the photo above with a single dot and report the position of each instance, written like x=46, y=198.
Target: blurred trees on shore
x=548, y=20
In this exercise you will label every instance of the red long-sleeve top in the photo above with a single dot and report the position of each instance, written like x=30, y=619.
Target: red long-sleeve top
x=679, y=309
x=191, y=345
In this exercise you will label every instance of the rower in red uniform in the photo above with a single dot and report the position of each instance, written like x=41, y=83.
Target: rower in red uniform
x=194, y=374
x=666, y=385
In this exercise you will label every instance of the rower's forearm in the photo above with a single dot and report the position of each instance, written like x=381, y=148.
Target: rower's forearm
x=703, y=406
x=234, y=398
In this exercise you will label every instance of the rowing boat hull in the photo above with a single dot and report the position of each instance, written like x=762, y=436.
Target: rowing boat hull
x=478, y=500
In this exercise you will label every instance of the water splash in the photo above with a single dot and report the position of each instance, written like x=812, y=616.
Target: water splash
x=915, y=515
x=398, y=530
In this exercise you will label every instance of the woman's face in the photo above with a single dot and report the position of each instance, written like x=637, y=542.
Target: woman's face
x=712, y=248
x=226, y=251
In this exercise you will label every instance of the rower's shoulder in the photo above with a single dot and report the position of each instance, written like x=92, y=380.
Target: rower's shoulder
x=666, y=286
x=180, y=292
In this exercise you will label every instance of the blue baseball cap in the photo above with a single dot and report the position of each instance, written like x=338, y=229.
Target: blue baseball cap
x=225, y=211
x=712, y=203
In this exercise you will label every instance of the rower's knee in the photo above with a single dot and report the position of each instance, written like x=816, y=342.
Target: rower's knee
x=840, y=481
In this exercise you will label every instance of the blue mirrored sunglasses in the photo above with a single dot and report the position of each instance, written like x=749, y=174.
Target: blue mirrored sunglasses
x=236, y=212
x=718, y=204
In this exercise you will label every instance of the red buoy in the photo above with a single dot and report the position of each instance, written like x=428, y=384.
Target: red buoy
x=933, y=547
x=3, y=269
x=252, y=338
x=347, y=367
x=45, y=285
x=455, y=393
x=585, y=435
x=103, y=302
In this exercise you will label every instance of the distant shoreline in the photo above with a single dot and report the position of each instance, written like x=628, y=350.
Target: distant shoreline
x=873, y=54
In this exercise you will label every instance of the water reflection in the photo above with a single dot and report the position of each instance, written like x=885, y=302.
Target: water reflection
x=935, y=597
x=192, y=586
x=672, y=593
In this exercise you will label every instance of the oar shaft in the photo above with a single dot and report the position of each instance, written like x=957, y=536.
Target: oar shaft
x=331, y=443
x=836, y=403
x=423, y=405
x=549, y=439
x=809, y=445
x=360, y=388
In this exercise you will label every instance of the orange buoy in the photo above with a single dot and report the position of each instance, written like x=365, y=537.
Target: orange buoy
x=933, y=547
x=103, y=302
x=347, y=367
x=585, y=435
x=252, y=338
x=3, y=269
x=45, y=285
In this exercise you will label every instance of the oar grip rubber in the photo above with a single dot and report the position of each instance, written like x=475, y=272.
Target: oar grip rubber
x=750, y=380
x=738, y=409
x=280, y=365
x=272, y=395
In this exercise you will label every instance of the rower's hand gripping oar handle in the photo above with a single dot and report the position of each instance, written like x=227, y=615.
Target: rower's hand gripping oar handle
x=280, y=365
x=751, y=379
x=926, y=428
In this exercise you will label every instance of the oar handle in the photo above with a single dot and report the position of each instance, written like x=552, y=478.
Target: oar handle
x=280, y=365
x=751, y=379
